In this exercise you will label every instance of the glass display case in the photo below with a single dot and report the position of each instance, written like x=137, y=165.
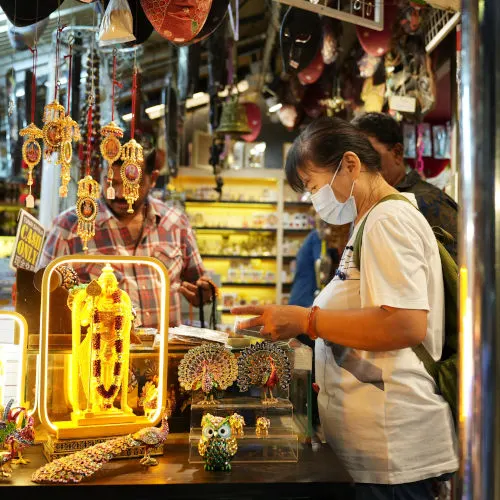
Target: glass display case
x=89, y=388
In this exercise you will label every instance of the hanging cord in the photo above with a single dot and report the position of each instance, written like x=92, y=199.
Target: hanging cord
x=34, y=52
x=115, y=83
x=235, y=21
x=134, y=97
x=70, y=76
x=213, y=314
x=202, y=311
x=58, y=50
x=89, y=136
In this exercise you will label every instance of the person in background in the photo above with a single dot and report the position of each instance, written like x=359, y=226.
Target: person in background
x=152, y=230
x=379, y=408
x=386, y=136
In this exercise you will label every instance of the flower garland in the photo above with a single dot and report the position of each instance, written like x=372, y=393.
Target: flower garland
x=112, y=390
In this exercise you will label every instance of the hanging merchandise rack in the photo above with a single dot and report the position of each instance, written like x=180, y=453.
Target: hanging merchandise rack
x=366, y=13
x=438, y=25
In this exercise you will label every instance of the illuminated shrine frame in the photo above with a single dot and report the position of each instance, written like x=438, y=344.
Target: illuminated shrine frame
x=22, y=341
x=155, y=418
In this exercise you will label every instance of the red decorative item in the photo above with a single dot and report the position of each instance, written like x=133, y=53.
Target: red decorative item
x=254, y=120
x=179, y=21
x=312, y=73
x=378, y=43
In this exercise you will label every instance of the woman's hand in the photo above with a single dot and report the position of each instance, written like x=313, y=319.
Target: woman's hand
x=280, y=322
x=191, y=290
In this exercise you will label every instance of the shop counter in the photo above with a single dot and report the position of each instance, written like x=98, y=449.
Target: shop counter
x=317, y=474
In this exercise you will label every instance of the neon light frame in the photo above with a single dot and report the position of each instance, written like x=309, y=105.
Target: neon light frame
x=20, y=321
x=44, y=328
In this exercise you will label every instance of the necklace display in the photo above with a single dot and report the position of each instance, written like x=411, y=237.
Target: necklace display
x=132, y=157
x=31, y=151
x=111, y=148
x=86, y=208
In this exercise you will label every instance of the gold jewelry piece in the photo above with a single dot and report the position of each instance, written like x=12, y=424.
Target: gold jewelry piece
x=86, y=208
x=54, y=119
x=70, y=132
x=32, y=153
x=111, y=150
x=262, y=426
x=131, y=171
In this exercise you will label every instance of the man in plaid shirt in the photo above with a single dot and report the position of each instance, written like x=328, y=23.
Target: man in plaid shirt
x=153, y=230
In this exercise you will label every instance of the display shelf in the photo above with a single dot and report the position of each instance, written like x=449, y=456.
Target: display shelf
x=236, y=229
x=257, y=285
x=297, y=229
x=242, y=257
x=228, y=203
x=298, y=204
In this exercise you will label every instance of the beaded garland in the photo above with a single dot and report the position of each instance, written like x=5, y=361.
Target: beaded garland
x=112, y=390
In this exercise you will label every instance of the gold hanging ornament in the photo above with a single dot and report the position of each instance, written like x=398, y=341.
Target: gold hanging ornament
x=70, y=132
x=131, y=171
x=111, y=150
x=32, y=154
x=86, y=208
x=54, y=116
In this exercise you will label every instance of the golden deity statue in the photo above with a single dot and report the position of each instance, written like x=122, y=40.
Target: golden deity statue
x=103, y=313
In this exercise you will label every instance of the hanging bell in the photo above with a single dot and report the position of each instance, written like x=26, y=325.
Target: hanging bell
x=233, y=120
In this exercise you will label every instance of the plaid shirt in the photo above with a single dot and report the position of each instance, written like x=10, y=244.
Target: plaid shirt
x=167, y=236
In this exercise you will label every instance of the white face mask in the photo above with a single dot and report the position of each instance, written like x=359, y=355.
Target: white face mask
x=330, y=209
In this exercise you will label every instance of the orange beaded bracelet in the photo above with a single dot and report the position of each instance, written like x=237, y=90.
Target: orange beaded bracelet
x=311, y=329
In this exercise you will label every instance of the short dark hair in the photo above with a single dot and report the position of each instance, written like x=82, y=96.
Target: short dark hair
x=323, y=142
x=150, y=161
x=381, y=126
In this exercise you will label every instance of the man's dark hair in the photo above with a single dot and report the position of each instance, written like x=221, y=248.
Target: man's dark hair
x=323, y=143
x=149, y=161
x=381, y=126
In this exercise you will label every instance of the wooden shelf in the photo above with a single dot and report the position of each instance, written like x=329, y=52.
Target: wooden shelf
x=235, y=229
x=253, y=285
x=298, y=204
x=297, y=230
x=242, y=257
x=227, y=203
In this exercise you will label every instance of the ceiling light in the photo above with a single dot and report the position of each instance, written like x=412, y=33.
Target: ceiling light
x=20, y=93
x=198, y=99
x=127, y=117
x=156, y=111
x=198, y=95
x=275, y=107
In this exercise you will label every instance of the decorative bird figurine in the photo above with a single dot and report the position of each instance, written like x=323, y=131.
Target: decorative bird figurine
x=265, y=365
x=218, y=443
x=83, y=464
x=23, y=436
x=209, y=368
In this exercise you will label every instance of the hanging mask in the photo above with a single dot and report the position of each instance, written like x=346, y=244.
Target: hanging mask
x=330, y=209
x=300, y=38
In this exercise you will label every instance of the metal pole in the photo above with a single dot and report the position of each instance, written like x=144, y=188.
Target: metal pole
x=477, y=102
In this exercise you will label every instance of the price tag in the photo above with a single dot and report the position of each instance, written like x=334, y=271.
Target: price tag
x=403, y=104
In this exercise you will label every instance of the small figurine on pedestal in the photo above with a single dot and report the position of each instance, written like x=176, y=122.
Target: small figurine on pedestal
x=265, y=365
x=209, y=367
x=218, y=443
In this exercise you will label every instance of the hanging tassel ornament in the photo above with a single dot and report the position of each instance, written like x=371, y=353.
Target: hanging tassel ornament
x=86, y=208
x=32, y=152
x=132, y=156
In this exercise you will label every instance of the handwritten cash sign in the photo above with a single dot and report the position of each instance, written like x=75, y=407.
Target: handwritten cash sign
x=29, y=242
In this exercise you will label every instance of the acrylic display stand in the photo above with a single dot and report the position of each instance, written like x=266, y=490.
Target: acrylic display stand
x=281, y=443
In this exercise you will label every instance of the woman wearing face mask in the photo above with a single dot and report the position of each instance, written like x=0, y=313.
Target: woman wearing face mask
x=378, y=406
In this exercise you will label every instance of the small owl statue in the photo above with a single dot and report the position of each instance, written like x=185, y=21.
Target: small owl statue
x=218, y=443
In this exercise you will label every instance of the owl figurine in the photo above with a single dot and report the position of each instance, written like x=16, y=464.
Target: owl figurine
x=218, y=443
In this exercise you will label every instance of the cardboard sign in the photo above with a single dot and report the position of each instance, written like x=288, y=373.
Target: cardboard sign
x=403, y=104
x=29, y=242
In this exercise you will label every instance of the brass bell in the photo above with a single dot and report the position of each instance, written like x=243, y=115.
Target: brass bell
x=233, y=120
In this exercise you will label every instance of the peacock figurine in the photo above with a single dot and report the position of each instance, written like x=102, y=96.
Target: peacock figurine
x=209, y=368
x=218, y=443
x=83, y=464
x=264, y=365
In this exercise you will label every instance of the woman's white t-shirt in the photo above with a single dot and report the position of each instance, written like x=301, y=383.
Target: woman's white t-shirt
x=380, y=411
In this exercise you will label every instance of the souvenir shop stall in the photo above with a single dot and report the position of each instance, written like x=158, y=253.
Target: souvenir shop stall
x=98, y=388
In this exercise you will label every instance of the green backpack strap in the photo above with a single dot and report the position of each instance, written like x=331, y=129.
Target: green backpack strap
x=419, y=350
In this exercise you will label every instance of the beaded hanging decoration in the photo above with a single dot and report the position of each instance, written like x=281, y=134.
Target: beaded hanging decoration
x=31, y=151
x=94, y=290
x=86, y=208
x=111, y=148
x=132, y=156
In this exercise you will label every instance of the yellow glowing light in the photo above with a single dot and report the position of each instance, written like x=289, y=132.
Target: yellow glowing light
x=158, y=266
x=22, y=342
x=466, y=348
